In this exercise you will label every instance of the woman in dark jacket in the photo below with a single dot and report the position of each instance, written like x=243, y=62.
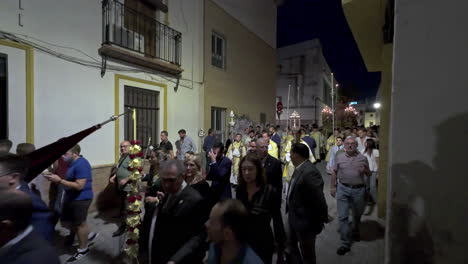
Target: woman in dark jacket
x=195, y=178
x=263, y=203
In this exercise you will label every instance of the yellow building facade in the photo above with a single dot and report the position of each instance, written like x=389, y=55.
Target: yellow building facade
x=371, y=22
x=240, y=71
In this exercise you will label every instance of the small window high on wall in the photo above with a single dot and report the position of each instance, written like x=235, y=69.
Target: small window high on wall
x=218, y=51
x=3, y=96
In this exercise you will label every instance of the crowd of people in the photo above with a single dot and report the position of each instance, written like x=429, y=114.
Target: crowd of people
x=222, y=205
x=27, y=231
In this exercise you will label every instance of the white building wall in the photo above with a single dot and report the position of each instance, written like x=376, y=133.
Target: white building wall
x=259, y=16
x=70, y=97
x=310, y=77
x=427, y=194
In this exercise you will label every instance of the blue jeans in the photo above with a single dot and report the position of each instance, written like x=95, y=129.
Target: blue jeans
x=347, y=198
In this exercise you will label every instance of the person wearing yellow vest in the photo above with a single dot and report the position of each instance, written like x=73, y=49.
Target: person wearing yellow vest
x=272, y=146
x=235, y=153
x=286, y=156
x=319, y=140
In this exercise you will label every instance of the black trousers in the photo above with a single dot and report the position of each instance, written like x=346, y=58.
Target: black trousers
x=306, y=254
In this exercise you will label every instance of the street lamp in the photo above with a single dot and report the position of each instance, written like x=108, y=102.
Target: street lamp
x=377, y=105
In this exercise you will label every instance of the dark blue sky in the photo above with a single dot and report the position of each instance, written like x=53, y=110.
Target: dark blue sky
x=301, y=20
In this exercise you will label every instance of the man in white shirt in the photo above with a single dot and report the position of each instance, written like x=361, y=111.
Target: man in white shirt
x=333, y=151
x=361, y=139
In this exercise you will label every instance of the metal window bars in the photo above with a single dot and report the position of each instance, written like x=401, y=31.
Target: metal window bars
x=130, y=29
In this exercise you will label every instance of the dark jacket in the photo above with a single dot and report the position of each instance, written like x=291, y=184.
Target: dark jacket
x=277, y=139
x=310, y=142
x=264, y=206
x=208, y=143
x=176, y=224
x=205, y=191
x=307, y=208
x=31, y=249
x=220, y=173
x=273, y=173
x=41, y=217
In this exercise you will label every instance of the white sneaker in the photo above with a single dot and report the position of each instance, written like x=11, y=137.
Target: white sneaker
x=77, y=256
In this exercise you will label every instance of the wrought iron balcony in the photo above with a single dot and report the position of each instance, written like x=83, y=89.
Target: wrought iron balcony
x=145, y=39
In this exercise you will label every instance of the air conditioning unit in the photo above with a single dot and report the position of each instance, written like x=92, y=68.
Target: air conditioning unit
x=128, y=39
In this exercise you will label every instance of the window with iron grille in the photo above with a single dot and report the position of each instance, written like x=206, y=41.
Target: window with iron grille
x=3, y=96
x=146, y=103
x=218, y=51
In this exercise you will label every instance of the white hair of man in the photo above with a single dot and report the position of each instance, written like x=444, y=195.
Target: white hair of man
x=178, y=164
x=262, y=141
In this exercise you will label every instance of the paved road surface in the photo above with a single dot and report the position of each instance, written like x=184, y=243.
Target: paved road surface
x=370, y=250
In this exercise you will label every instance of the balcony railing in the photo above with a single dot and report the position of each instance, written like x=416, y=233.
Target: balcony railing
x=132, y=30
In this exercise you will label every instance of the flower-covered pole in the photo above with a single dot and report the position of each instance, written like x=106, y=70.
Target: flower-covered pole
x=134, y=199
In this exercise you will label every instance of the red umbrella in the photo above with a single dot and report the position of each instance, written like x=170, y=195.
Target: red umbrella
x=42, y=158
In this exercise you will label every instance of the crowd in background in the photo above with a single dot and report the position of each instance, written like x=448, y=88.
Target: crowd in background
x=215, y=206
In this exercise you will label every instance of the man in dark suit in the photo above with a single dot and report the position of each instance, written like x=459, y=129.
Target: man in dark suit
x=309, y=140
x=12, y=171
x=220, y=173
x=179, y=216
x=208, y=145
x=272, y=166
x=19, y=242
x=305, y=205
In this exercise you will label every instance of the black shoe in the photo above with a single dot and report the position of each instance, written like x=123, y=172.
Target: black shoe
x=120, y=231
x=356, y=237
x=342, y=250
x=77, y=256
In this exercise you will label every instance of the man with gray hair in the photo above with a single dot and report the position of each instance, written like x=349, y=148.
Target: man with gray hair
x=348, y=185
x=179, y=216
x=271, y=165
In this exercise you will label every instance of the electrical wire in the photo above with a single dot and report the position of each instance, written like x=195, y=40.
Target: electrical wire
x=92, y=64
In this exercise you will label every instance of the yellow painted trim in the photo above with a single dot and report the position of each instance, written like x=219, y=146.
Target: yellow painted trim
x=117, y=78
x=117, y=122
x=29, y=50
